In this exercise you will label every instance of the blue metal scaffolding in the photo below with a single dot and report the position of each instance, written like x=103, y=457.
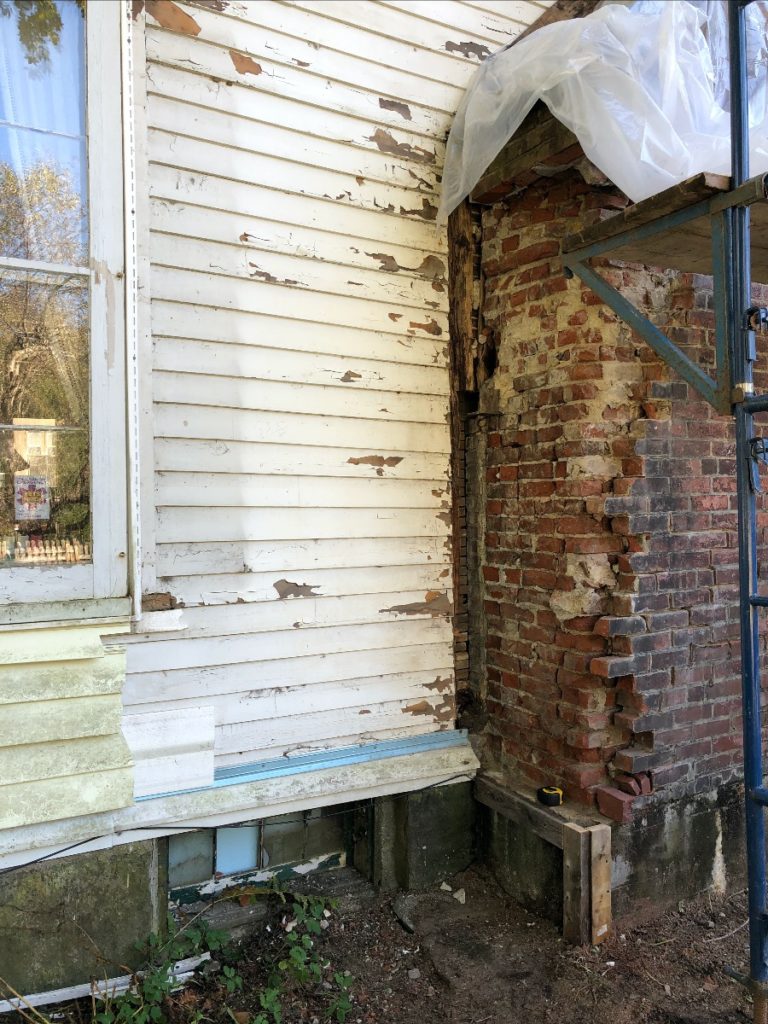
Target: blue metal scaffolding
x=729, y=391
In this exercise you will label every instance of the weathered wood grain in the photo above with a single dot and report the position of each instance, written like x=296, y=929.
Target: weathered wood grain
x=678, y=197
x=541, y=821
x=600, y=854
x=299, y=296
x=577, y=922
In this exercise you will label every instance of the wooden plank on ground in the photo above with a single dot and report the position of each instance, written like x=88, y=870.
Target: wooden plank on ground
x=600, y=856
x=577, y=922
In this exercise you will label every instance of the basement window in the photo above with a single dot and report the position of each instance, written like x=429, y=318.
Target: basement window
x=62, y=377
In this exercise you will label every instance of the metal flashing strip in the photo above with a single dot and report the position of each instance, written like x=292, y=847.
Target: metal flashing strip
x=364, y=753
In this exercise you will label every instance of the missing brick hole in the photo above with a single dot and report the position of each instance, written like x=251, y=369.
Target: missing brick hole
x=487, y=358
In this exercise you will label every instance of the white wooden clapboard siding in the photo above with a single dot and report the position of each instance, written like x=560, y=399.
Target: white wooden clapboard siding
x=275, y=676
x=299, y=556
x=300, y=349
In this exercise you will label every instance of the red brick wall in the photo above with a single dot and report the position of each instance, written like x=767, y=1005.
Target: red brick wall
x=607, y=548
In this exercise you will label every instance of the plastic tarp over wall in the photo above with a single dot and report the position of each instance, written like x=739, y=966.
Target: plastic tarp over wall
x=644, y=89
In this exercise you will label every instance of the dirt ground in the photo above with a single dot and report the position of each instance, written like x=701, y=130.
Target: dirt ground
x=464, y=953
x=488, y=961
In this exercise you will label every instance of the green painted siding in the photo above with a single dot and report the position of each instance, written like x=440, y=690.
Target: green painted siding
x=62, y=753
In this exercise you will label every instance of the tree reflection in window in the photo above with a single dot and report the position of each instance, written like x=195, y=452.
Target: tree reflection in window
x=44, y=285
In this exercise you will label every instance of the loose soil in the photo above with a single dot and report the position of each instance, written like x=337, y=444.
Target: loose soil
x=429, y=958
x=488, y=961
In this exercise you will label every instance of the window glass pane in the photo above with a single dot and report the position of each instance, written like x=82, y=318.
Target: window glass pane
x=44, y=348
x=44, y=495
x=43, y=179
x=44, y=402
x=44, y=317
x=237, y=849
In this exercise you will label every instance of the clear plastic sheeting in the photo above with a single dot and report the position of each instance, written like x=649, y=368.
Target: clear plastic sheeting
x=644, y=88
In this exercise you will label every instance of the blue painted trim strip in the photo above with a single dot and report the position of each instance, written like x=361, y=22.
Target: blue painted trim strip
x=363, y=753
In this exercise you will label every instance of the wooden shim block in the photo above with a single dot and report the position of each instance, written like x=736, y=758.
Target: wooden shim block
x=543, y=823
x=600, y=858
x=577, y=923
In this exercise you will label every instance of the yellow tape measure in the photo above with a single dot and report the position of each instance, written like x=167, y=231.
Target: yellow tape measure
x=550, y=796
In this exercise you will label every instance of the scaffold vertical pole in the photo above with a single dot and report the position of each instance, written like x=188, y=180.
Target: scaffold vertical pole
x=737, y=285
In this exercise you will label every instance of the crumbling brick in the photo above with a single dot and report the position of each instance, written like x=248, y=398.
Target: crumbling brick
x=607, y=522
x=615, y=804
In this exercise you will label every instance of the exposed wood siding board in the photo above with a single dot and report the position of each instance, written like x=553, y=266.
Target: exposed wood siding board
x=313, y=399
x=283, y=702
x=300, y=746
x=296, y=731
x=279, y=94
x=499, y=7
x=295, y=612
x=276, y=460
x=172, y=772
x=196, y=653
x=354, y=667
x=493, y=30
x=297, y=442
x=352, y=36
x=349, y=188
x=246, y=199
x=391, y=24
x=254, y=363
x=359, y=155
x=266, y=524
x=319, y=65
x=251, y=587
x=257, y=296
x=302, y=555
x=246, y=490
x=299, y=371
x=203, y=323
x=254, y=235
x=234, y=260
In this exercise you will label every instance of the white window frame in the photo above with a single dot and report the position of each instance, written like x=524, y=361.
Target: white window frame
x=106, y=576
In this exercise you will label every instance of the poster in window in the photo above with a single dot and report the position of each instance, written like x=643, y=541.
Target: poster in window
x=32, y=498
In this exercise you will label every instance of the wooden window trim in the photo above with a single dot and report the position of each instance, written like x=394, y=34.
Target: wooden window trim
x=107, y=575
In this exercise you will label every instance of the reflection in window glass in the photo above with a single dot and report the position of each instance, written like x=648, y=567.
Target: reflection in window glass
x=44, y=311
x=43, y=209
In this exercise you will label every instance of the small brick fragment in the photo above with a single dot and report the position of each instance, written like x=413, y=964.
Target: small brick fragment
x=628, y=784
x=645, y=783
x=615, y=804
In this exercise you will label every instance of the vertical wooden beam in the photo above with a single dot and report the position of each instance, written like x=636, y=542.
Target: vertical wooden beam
x=461, y=259
x=577, y=919
x=600, y=856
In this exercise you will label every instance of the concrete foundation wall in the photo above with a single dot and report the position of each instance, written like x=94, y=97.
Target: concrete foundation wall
x=66, y=921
